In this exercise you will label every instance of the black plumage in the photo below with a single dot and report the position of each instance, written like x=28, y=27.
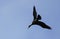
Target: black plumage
x=36, y=20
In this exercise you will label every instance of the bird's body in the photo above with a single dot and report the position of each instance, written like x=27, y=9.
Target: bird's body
x=36, y=20
x=40, y=23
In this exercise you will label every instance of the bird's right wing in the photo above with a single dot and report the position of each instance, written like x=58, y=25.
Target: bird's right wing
x=43, y=25
x=34, y=13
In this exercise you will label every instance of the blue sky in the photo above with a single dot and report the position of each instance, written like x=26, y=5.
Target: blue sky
x=16, y=16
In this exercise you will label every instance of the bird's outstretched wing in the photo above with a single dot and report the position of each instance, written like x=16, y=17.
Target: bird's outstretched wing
x=43, y=25
x=34, y=13
x=39, y=17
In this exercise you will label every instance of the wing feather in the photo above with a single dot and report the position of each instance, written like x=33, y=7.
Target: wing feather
x=34, y=13
x=43, y=25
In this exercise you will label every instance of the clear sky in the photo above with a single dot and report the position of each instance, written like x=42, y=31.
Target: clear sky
x=16, y=16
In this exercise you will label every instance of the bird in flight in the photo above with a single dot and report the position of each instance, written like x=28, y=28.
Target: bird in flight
x=36, y=20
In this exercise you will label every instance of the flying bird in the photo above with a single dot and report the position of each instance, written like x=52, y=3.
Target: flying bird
x=36, y=20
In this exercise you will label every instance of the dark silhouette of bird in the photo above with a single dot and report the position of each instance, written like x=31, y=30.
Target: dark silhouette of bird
x=36, y=20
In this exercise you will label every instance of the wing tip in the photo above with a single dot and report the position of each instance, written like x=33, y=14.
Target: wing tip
x=49, y=28
x=34, y=7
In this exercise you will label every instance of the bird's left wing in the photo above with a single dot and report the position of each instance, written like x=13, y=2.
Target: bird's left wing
x=34, y=13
